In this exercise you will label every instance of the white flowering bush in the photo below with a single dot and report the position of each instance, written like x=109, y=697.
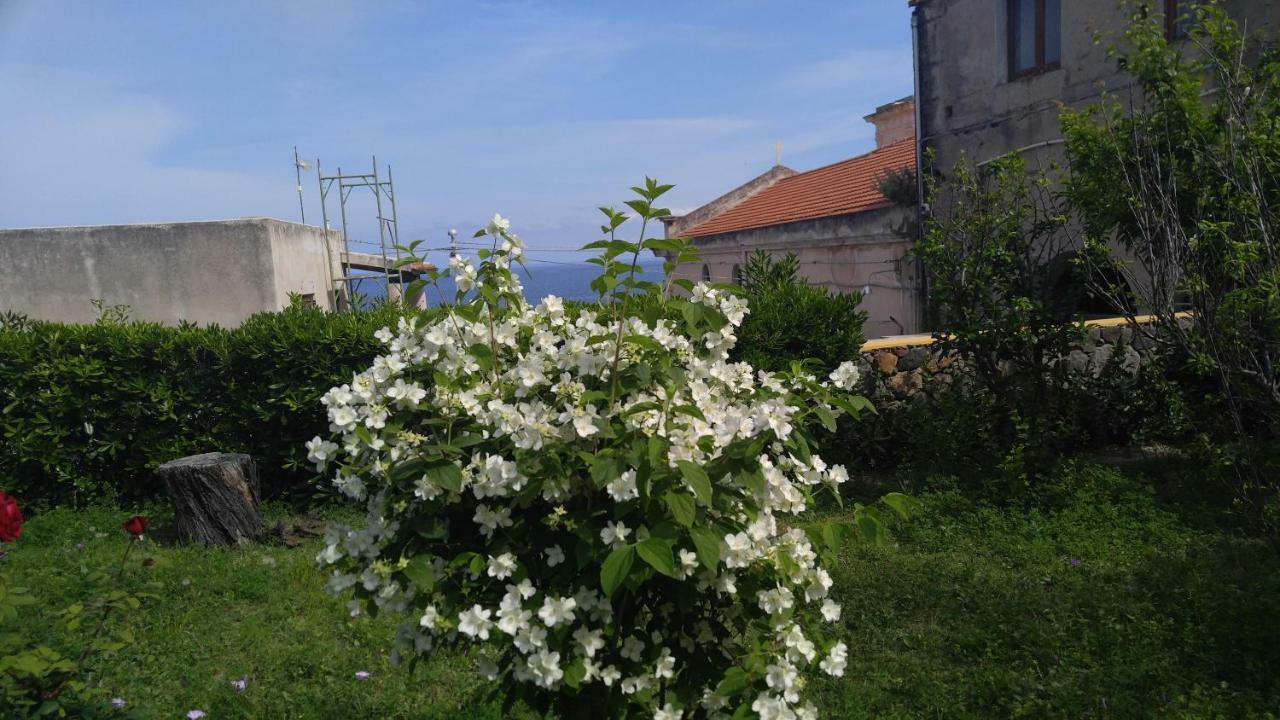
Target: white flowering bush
x=596, y=505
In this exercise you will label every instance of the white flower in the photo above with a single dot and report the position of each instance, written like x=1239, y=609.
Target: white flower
x=502, y=566
x=666, y=666
x=610, y=675
x=320, y=452
x=623, y=487
x=497, y=225
x=555, y=611
x=475, y=622
x=590, y=641
x=775, y=601
x=781, y=677
x=846, y=376
x=631, y=648
x=491, y=520
x=771, y=708
x=688, y=561
x=514, y=621
x=555, y=555
x=668, y=712
x=736, y=551
x=615, y=534
x=830, y=610
x=545, y=666
x=835, y=661
x=430, y=618
x=525, y=589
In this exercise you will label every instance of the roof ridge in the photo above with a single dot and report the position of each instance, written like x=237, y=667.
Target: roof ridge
x=869, y=153
x=829, y=190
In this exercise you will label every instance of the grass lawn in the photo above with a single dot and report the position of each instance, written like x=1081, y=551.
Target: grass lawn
x=1110, y=598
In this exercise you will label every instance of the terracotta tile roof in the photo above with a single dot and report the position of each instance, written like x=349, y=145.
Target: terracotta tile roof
x=848, y=186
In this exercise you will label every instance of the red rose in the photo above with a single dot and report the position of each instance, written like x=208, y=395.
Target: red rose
x=136, y=525
x=10, y=519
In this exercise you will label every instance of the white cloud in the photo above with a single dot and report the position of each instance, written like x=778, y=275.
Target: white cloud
x=82, y=151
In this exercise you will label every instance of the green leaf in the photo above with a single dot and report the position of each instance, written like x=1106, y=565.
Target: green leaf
x=446, y=475
x=697, y=479
x=707, y=544
x=604, y=470
x=689, y=410
x=735, y=681
x=681, y=507
x=831, y=536
x=753, y=480
x=574, y=674
x=826, y=416
x=615, y=569
x=904, y=505
x=870, y=527
x=419, y=570
x=657, y=552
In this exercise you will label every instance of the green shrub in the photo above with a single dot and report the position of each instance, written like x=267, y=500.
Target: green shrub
x=92, y=410
x=792, y=320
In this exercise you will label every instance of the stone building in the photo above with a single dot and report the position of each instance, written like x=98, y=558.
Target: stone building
x=991, y=74
x=847, y=236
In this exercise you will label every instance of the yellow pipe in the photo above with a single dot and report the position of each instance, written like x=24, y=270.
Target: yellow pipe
x=925, y=340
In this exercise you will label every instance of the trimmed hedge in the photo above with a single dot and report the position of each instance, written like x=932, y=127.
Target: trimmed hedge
x=92, y=410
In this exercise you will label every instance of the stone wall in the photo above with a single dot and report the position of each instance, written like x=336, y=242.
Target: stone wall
x=899, y=369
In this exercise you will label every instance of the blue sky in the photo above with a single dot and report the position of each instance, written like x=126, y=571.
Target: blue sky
x=141, y=112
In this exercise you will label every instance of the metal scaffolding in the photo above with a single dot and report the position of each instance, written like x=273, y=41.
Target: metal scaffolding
x=381, y=265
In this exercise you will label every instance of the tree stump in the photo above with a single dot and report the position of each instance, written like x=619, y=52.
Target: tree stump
x=215, y=498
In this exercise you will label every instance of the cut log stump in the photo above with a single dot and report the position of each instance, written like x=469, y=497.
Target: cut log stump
x=215, y=498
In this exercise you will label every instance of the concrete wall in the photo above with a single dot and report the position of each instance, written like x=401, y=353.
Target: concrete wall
x=206, y=272
x=843, y=253
x=968, y=103
x=301, y=263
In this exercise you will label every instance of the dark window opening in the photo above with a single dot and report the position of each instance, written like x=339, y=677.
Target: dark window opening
x=1035, y=37
x=706, y=273
x=1178, y=18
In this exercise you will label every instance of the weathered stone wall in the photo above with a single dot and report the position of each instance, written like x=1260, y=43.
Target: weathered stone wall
x=970, y=105
x=915, y=369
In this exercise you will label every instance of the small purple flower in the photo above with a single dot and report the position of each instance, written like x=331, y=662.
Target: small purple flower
x=118, y=703
x=80, y=546
x=362, y=675
x=1075, y=562
x=195, y=714
x=241, y=684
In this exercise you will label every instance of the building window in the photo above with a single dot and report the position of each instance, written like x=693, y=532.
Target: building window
x=706, y=273
x=1035, y=36
x=737, y=274
x=1178, y=17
